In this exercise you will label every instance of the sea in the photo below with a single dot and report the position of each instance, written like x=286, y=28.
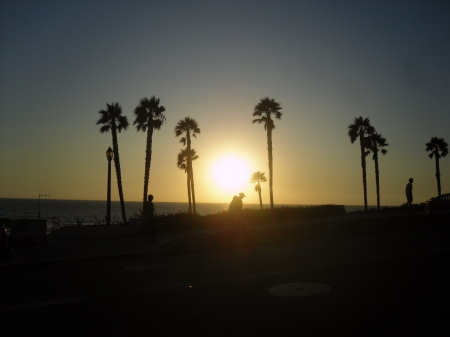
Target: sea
x=81, y=212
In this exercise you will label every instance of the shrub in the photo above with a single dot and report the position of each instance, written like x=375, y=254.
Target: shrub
x=186, y=220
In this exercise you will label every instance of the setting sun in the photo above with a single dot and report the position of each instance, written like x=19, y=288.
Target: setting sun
x=231, y=173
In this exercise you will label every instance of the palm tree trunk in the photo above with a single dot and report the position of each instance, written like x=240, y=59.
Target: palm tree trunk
x=118, y=174
x=377, y=181
x=260, y=198
x=363, y=165
x=438, y=175
x=148, y=160
x=189, y=173
x=194, y=209
x=189, y=191
x=269, y=150
x=190, y=170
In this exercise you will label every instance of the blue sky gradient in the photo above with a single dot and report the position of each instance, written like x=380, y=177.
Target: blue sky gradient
x=326, y=62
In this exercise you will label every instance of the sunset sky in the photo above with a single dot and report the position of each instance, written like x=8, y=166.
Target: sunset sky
x=325, y=62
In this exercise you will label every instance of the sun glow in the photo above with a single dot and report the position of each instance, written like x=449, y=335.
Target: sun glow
x=231, y=173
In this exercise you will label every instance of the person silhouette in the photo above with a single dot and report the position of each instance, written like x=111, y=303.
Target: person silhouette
x=235, y=209
x=408, y=192
x=149, y=219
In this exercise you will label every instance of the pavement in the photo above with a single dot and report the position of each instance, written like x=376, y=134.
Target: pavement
x=77, y=243
x=230, y=293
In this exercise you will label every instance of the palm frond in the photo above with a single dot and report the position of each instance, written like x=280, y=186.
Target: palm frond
x=437, y=147
x=105, y=128
x=112, y=118
x=149, y=114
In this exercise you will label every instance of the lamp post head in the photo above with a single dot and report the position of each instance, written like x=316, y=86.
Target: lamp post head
x=109, y=153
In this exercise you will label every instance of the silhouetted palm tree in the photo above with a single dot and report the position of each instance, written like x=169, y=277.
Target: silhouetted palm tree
x=258, y=178
x=265, y=109
x=438, y=148
x=182, y=165
x=112, y=120
x=376, y=144
x=188, y=127
x=149, y=117
x=361, y=129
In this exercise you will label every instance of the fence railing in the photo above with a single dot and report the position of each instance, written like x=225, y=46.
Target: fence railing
x=439, y=204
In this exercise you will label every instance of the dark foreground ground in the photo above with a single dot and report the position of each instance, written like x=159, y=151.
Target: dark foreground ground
x=359, y=276
x=76, y=243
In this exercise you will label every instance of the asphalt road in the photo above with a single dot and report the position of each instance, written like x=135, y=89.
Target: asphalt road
x=378, y=284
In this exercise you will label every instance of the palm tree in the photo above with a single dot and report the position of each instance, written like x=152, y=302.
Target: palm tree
x=182, y=165
x=376, y=144
x=258, y=178
x=188, y=127
x=361, y=129
x=149, y=117
x=265, y=109
x=112, y=120
x=438, y=148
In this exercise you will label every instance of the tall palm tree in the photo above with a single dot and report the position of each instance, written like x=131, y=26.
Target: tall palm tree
x=188, y=128
x=258, y=178
x=361, y=129
x=149, y=117
x=438, y=148
x=112, y=120
x=376, y=144
x=264, y=110
x=182, y=165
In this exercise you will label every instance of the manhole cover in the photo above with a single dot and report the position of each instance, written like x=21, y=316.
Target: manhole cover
x=299, y=289
x=146, y=267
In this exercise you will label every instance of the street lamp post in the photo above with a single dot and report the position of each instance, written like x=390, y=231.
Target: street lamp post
x=109, y=156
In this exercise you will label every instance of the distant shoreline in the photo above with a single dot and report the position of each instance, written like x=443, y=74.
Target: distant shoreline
x=184, y=202
x=91, y=211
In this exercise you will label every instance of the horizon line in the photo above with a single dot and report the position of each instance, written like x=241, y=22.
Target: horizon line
x=186, y=202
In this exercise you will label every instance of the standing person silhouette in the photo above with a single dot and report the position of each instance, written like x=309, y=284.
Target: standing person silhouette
x=149, y=219
x=409, y=194
x=235, y=210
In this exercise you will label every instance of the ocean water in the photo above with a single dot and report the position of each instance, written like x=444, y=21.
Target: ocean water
x=94, y=212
